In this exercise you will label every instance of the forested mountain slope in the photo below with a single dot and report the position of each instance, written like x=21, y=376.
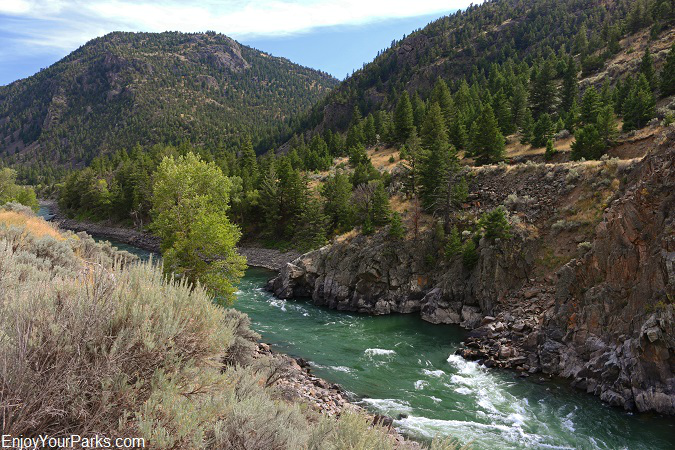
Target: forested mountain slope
x=503, y=34
x=125, y=89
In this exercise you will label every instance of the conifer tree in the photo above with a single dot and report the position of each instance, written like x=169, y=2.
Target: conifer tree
x=543, y=131
x=403, y=118
x=570, y=87
x=411, y=155
x=438, y=159
x=647, y=68
x=527, y=128
x=542, y=91
x=487, y=142
x=396, y=229
x=337, y=191
x=590, y=106
x=381, y=211
x=249, y=166
x=639, y=106
x=667, y=78
x=369, y=131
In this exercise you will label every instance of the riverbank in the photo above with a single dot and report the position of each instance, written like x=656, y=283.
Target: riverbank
x=265, y=258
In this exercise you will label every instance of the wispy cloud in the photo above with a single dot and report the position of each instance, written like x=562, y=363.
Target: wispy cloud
x=66, y=24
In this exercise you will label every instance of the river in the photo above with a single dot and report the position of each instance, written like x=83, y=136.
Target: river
x=401, y=366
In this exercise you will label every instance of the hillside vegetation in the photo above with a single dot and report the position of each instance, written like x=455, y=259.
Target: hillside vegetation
x=125, y=89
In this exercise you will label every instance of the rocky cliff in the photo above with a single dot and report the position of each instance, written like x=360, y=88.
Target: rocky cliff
x=611, y=327
x=600, y=314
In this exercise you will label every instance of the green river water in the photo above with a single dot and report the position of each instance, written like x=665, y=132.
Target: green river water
x=401, y=365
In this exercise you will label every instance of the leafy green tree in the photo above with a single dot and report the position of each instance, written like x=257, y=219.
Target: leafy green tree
x=190, y=204
x=668, y=74
x=487, y=142
x=11, y=192
x=588, y=143
x=403, y=118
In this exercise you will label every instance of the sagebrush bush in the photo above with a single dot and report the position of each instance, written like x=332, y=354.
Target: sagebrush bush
x=94, y=341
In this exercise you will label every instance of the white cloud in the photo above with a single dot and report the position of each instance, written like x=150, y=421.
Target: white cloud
x=65, y=24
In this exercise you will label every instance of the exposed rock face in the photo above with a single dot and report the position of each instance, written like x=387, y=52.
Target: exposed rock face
x=611, y=328
x=605, y=320
x=379, y=276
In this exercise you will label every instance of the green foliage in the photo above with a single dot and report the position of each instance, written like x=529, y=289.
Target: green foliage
x=588, y=143
x=590, y=106
x=647, y=68
x=543, y=131
x=639, y=106
x=496, y=224
x=11, y=192
x=438, y=160
x=667, y=76
x=487, y=142
x=338, y=208
x=396, y=228
x=189, y=206
x=470, y=255
x=453, y=246
x=403, y=118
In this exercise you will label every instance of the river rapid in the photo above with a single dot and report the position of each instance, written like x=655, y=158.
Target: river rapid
x=403, y=367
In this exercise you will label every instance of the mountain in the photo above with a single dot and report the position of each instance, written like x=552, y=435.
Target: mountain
x=125, y=89
x=469, y=44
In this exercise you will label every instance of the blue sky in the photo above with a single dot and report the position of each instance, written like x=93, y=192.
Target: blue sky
x=336, y=36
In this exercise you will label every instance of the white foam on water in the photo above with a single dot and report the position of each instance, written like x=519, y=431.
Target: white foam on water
x=464, y=391
x=420, y=384
x=436, y=399
x=379, y=351
x=278, y=303
x=482, y=435
x=341, y=369
x=388, y=405
x=433, y=373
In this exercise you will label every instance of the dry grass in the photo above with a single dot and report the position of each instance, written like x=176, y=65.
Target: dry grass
x=36, y=226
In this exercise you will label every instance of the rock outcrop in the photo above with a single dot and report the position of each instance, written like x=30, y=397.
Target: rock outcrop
x=611, y=327
x=604, y=319
x=379, y=276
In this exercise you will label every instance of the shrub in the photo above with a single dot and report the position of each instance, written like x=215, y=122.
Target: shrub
x=469, y=254
x=496, y=224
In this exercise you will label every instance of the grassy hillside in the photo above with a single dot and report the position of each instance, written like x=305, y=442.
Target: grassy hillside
x=125, y=89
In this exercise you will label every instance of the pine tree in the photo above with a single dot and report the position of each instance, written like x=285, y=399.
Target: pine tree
x=441, y=95
x=518, y=106
x=606, y=124
x=667, y=78
x=639, y=106
x=647, y=68
x=396, y=229
x=542, y=91
x=527, y=128
x=418, y=110
x=411, y=155
x=572, y=117
x=369, y=131
x=337, y=192
x=590, y=106
x=438, y=159
x=588, y=143
x=570, y=87
x=249, y=166
x=403, y=118
x=543, y=131
x=381, y=211
x=310, y=226
x=503, y=113
x=487, y=142
x=550, y=150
